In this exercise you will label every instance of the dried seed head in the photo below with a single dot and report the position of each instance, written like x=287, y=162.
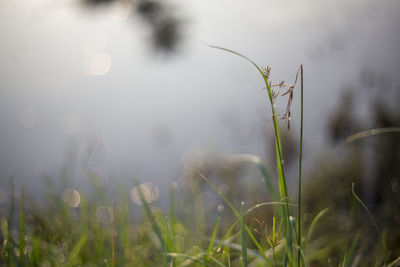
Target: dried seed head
x=266, y=71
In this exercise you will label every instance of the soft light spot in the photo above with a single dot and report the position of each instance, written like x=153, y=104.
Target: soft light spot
x=220, y=208
x=150, y=193
x=105, y=215
x=97, y=65
x=28, y=118
x=95, y=43
x=72, y=197
x=224, y=189
x=121, y=10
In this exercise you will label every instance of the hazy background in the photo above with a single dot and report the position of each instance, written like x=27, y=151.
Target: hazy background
x=98, y=86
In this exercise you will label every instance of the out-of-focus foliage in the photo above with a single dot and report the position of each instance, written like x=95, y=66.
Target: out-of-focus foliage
x=159, y=16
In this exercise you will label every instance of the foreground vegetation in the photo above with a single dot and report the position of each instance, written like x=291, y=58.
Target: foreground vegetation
x=70, y=228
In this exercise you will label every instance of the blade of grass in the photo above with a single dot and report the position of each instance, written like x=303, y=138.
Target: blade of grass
x=371, y=132
x=213, y=236
x=244, y=243
x=10, y=245
x=352, y=248
x=238, y=216
x=314, y=223
x=204, y=253
x=249, y=211
x=150, y=216
x=190, y=258
x=378, y=232
x=113, y=234
x=257, y=161
x=279, y=158
x=72, y=261
x=393, y=263
x=300, y=162
x=22, y=230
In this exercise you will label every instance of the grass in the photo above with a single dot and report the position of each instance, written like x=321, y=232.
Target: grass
x=94, y=232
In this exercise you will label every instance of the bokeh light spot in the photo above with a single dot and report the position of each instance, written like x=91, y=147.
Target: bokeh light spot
x=72, y=197
x=121, y=10
x=105, y=215
x=150, y=193
x=97, y=65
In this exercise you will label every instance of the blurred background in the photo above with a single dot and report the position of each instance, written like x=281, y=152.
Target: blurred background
x=129, y=89
x=108, y=91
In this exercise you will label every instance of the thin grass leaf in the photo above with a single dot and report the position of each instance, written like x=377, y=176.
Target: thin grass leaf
x=314, y=224
x=22, y=229
x=279, y=157
x=10, y=243
x=238, y=216
x=371, y=132
x=257, y=161
x=73, y=257
x=113, y=234
x=217, y=262
x=350, y=253
x=213, y=236
x=260, y=205
x=189, y=261
x=300, y=165
x=150, y=216
x=393, y=263
x=378, y=232
x=244, y=243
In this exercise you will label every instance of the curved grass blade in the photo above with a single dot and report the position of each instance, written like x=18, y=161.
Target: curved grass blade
x=189, y=261
x=314, y=223
x=213, y=236
x=371, y=132
x=205, y=254
x=378, y=232
x=238, y=216
x=257, y=161
x=73, y=257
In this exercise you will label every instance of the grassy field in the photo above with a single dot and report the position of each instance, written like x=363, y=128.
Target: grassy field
x=74, y=228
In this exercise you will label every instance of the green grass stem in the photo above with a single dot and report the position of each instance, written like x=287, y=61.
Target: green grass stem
x=300, y=165
x=244, y=239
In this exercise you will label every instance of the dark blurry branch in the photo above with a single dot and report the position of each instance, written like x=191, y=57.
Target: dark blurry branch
x=165, y=26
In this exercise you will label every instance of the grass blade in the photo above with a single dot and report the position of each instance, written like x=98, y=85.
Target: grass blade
x=22, y=230
x=244, y=243
x=257, y=161
x=213, y=235
x=314, y=223
x=378, y=232
x=150, y=216
x=238, y=216
x=371, y=132
x=72, y=261
x=300, y=162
